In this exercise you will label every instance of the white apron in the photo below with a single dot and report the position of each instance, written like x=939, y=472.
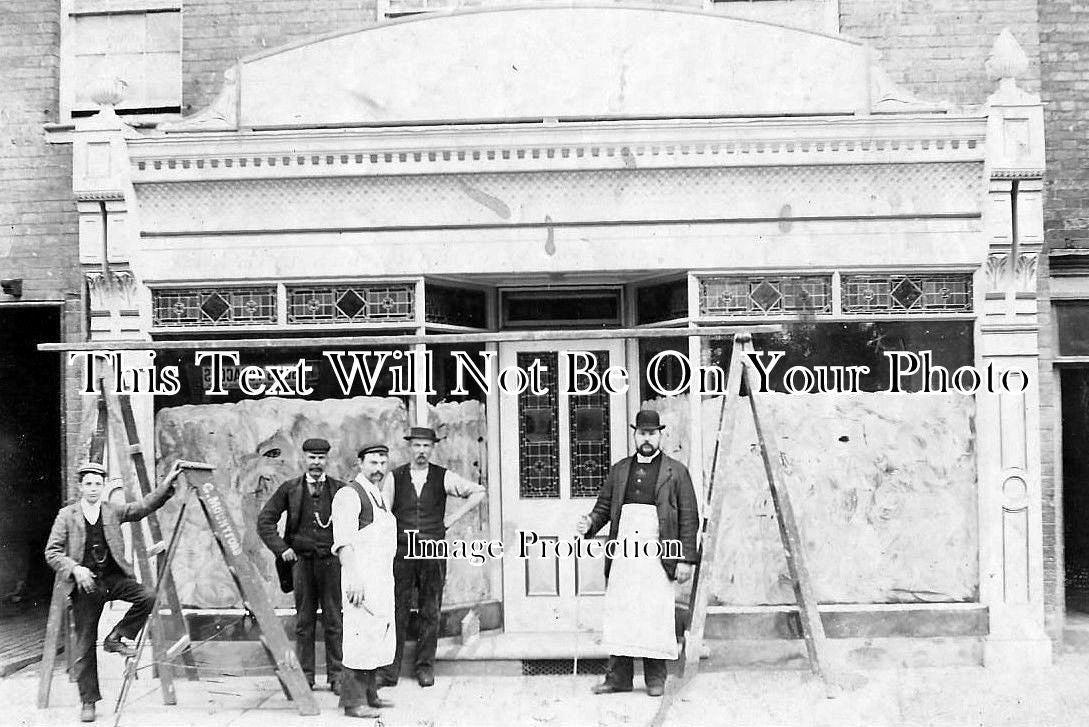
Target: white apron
x=370, y=637
x=639, y=618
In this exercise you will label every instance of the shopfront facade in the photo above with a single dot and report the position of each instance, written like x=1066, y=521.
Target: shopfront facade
x=565, y=177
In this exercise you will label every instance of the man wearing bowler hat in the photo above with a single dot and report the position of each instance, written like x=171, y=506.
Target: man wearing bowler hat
x=307, y=546
x=87, y=550
x=418, y=492
x=646, y=498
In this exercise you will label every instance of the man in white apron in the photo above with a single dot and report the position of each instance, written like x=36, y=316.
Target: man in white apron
x=365, y=540
x=650, y=505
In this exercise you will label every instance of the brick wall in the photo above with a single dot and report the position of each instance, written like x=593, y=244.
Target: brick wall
x=37, y=215
x=937, y=49
x=1064, y=75
x=216, y=33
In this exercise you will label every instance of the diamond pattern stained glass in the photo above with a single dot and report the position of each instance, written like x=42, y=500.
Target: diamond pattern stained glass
x=213, y=306
x=910, y=294
x=350, y=304
x=765, y=295
x=538, y=432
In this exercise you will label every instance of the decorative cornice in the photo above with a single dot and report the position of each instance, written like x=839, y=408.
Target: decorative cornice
x=1017, y=174
x=531, y=147
x=99, y=195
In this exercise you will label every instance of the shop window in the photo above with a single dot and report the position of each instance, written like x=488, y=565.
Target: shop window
x=765, y=295
x=859, y=343
x=662, y=302
x=586, y=308
x=1073, y=324
x=137, y=41
x=351, y=304
x=455, y=306
x=213, y=306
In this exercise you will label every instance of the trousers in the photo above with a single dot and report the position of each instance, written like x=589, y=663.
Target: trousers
x=317, y=583
x=621, y=669
x=428, y=578
x=86, y=611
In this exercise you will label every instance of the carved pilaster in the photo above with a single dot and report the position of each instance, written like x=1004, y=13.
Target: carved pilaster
x=1010, y=504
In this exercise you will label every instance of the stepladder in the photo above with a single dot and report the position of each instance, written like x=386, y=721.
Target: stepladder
x=209, y=502
x=740, y=394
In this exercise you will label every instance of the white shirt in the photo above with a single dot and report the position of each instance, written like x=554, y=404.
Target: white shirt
x=454, y=484
x=346, y=509
x=646, y=460
x=91, y=512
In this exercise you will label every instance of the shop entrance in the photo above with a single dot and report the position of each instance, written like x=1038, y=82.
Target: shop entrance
x=30, y=452
x=556, y=450
x=1075, y=422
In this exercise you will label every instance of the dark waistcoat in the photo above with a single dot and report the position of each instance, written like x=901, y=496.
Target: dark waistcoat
x=424, y=513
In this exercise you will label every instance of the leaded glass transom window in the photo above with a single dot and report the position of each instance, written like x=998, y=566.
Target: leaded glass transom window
x=538, y=431
x=350, y=304
x=213, y=306
x=589, y=427
x=765, y=295
x=907, y=294
x=455, y=306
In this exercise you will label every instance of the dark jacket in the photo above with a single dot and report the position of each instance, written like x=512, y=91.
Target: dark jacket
x=64, y=549
x=288, y=497
x=675, y=499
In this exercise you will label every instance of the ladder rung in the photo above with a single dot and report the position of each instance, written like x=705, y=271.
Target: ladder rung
x=179, y=646
x=135, y=449
x=156, y=548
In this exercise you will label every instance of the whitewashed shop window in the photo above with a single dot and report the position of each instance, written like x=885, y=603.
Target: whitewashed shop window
x=137, y=41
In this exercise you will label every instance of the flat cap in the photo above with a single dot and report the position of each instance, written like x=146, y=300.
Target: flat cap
x=92, y=467
x=372, y=448
x=317, y=444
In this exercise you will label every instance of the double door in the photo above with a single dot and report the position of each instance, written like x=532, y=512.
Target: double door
x=556, y=451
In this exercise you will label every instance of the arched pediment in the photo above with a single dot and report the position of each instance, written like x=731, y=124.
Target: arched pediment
x=549, y=62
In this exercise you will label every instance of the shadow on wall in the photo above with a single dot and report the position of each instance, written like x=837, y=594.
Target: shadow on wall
x=257, y=444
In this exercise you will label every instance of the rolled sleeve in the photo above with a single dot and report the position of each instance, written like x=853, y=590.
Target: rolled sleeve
x=345, y=516
x=457, y=486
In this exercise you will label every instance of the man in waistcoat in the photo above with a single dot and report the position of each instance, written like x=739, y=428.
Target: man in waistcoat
x=418, y=492
x=307, y=546
x=649, y=503
x=86, y=548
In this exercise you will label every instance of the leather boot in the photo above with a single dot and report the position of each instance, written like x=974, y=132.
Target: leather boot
x=372, y=691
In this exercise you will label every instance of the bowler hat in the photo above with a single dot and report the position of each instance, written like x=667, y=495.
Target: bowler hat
x=422, y=433
x=372, y=448
x=92, y=467
x=316, y=444
x=647, y=419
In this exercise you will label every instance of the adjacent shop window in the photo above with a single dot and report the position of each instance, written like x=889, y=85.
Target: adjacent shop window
x=136, y=41
x=1073, y=323
x=224, y=306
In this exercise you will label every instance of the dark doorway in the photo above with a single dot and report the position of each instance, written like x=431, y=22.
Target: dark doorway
x=1075, y=418
x=30, y=451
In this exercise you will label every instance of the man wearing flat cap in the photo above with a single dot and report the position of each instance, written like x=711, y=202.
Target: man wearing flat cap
x=307, y=546
x=645, y=497
x=86, y=548
x=365, y=540
x=418, y=492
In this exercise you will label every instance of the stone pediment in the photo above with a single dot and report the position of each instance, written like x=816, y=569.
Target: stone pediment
x=550, y=62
